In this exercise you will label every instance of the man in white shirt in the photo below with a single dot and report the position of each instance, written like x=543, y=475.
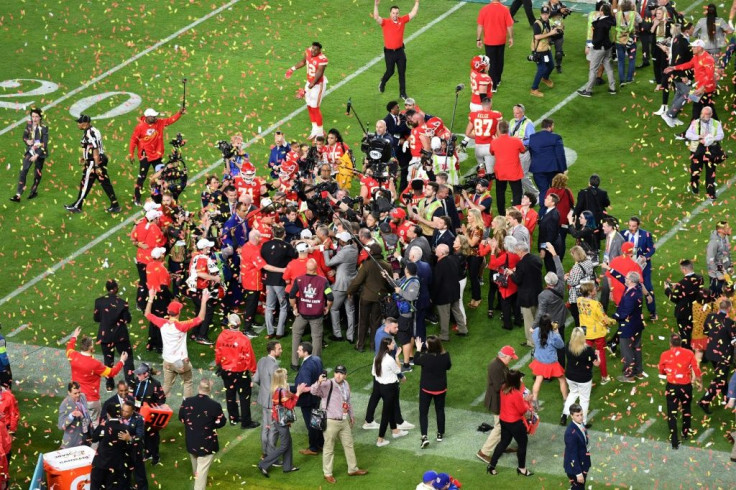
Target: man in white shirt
x=704, y=136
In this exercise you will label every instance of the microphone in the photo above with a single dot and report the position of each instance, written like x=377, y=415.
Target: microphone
x=350, y=106
x=459, y=87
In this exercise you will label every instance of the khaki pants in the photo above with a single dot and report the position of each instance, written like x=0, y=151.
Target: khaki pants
x=200, y=468
x=341, y=429
x=171, y=371
x=297, y=330
x=443, y=311
x=95, y=409
x=528, y=314
x=493, y=438
x=733, y=450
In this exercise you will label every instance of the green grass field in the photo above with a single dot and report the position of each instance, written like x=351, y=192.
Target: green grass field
x=234, y=62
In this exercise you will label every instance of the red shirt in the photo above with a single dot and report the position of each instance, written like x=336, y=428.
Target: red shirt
x=157, y=275
x=150, y=234
x=251, y=265
x=513, y=405
x=402, y=229
x=623, y=265
x=415, y=140
x=298, y=267
x=679, y=364
x=234, y=352
x=703, y=67
x=313, y=62
x=252, y=188
x=508, y=165
x=393, y=32
x=87, y=371
x=282, y=396
x=332, y=153
x=322, y=269
x=480, y=85
x=149, y=138
x=485, y=125
x=503, y=259
x=495, y=19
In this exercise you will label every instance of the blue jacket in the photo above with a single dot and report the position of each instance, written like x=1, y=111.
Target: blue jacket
x=424, y=273
x=576, y=458
x=235, y=232
x=308, y=373
x=548, y=353
x=628, y=313
x=276, y=157
x=644, y=247
x=547, y=152
x=4, y=360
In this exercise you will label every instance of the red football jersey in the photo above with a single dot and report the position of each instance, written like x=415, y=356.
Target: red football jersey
x=485, y=125
x=435, y=127
x=313, y=62
x=403, y=228
x=415, y=142
x=480, y=85
x=252, y=188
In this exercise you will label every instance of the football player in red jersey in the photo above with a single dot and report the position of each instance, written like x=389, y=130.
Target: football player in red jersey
x=247, y=183
x=481, y=85
x=316, y=62
x=482, y=127
x=418, y=141
x=285, y=182
x=399, y=224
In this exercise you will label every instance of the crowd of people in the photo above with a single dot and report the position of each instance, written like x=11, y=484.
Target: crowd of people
x=295, y=248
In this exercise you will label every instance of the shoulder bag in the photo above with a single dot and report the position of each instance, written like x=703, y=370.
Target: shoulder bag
x=318, y=417
x=284, y=416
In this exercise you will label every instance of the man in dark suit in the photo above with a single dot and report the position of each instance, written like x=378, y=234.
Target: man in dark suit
x=593, y=199
x=146, y=389
x=111, y=312
x=683, y=293
x=576, y=460
x=548, y=156
x=446, y=292
x=630, y=324
x=642, y=254
x=442, y=233
x=424, y=302
x=109, y=466
x=309, y=373
x=134, y=453
x=395, y=123
x=528, y=277
x=549, y=230
x=202, y=416
x=721, y=332
x=117, y=399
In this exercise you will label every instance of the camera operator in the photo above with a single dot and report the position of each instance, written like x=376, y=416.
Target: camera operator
x=148, y=139
x=428, y=208
x=413, y=194
x=557, y=14
x=211, y=193
x=480, y=200
x=279, y=150
x=233, y=155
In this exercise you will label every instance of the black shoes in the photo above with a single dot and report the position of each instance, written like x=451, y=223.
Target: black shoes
x=15, y=198
x=113, y=209
x=253, y=424
x=32, y=195
x=264, y=472
x=525, y=473
x=705, y=407
x=203, y=341
x=563, y=419
x=335, y=338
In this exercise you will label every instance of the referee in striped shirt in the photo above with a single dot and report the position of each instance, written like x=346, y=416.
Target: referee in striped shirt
x=95, y=167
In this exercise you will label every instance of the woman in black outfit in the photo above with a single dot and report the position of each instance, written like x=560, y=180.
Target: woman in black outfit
x=585, y=232
x=435, y=362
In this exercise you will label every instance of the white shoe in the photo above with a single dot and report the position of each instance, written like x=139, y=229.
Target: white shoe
x=398, y=434
x=605, y=380
x=382, y=443
x=405, y=426
x=678, y=122
x=371, y=425
x=670, y=122
x=662, y=110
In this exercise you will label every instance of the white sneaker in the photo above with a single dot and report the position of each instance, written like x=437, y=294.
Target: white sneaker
x=371, y=425
x=678, y=122
x=382, y=443
x=670, y=122
x=605, y=380
x=398, y=434
x=405, y=426
x=662, y=110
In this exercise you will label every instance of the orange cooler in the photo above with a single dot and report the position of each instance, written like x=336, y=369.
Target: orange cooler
x=69, y=469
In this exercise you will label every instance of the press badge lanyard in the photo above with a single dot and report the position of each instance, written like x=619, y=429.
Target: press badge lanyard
x=137, y=401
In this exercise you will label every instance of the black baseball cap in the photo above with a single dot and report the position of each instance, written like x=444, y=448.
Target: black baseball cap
x=84, y=118
x=341, y=369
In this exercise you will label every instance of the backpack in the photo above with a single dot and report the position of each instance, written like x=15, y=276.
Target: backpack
x=405, y=306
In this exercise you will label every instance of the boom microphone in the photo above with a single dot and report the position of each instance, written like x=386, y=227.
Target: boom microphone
x=459, y=87
x=350, y=105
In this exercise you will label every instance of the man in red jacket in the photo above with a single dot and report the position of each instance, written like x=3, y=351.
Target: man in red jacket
x=148, y=138
x=236, y=361
x=704, y=72
x=87, y=371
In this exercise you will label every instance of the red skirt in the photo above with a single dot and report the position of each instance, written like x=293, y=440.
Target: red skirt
x=699, y=344
x=547, y=371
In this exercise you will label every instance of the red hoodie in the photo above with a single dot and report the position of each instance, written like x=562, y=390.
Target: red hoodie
x=704, y=71
x=149, y=138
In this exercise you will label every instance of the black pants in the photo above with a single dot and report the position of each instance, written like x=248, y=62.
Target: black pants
x=475, y=263
x=152, y=440
x=685, y=327
x=108, y=355
x=143, y=167
x=439, y=409
x=135, y=461
x=251, y=307
x=719, y=382
x=6, y=379
x=390, y=396
x=527, y=9
x=704, y=160
x=646, y=38
x=109, y=478
x=369, y=318
x=493, y=294
x=91, y=174
x=516, y=193
x=517, y=432
x=316, y=437
x=395, y=58
x=679, y=398
x=510, y=309
x=575, y=313
x=707, y=100
x=159, y=308
x=370, y=411
x=37, y=170
x=209, y=313
x=495, y=55
x=659, y=62
x=237, y=390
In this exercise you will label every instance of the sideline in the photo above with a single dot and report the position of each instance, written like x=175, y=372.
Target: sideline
x=130, y=219
x=125, y=63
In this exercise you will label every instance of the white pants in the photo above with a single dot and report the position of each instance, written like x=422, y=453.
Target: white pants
x=483, y=157
x=313, y=96
x=416, y=170
x=578, y=390
x=200, y=469
x=463, y=283
x=475, y=107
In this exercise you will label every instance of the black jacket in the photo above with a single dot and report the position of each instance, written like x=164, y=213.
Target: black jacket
x=113, y=400
x=448, y=238
x=684, y=293
x=594, y=200
x=549, y=228
x=148, y=391
x=201, y=416
x=721, y=332
x=528, y=278
x=111, y=451
x=602, y=32
x=112, y=313
x=434, y=370
x=445, y=279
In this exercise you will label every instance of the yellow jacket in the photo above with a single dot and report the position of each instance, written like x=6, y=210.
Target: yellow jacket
x=592, y=318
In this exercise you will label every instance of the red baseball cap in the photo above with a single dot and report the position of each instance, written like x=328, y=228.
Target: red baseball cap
x=627, y=247
x=175, y=307
x=507, y=350
x=398, y=213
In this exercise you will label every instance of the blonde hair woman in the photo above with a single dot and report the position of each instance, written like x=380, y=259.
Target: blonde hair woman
x=499, y=227
x=594, y=321
x=579, y=373
x=474, y=231
x=462, y=250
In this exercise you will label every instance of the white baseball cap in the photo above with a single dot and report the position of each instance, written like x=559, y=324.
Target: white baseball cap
x=344, y=236
x=149, y=205
x=306, y=233
x=698, y=43
x=266, y=202
x=158, y=252
x=302, y=247
x=153, y=214
x=204, y=243
x=233, y=319
x=150, y=113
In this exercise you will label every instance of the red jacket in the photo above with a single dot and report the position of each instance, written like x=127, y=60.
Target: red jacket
x=283, y=396
x=298, y=267
x=507, y=150
x=150, y=234
x=704, y=71
x=157, y=275
x=498, y=261
x=233, y=352
x=513, y=406
x=149, y=138
x=679, y=364
x=9, y=410
x=87, y=371
x=622, y=264
x=251, y=265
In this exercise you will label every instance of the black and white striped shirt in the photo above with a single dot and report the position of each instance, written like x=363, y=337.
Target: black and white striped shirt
x=92, y=139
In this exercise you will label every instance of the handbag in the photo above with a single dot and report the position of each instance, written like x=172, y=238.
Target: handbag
x=500, y=279
x=389, y=308
x=284, y=416
x=318, y=417
x=531, y=423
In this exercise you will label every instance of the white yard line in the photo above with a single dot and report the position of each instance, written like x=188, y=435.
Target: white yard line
x=128, y=221
x=124, y=64
x=705, y=435
x=646, y=425
x=17, y=330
